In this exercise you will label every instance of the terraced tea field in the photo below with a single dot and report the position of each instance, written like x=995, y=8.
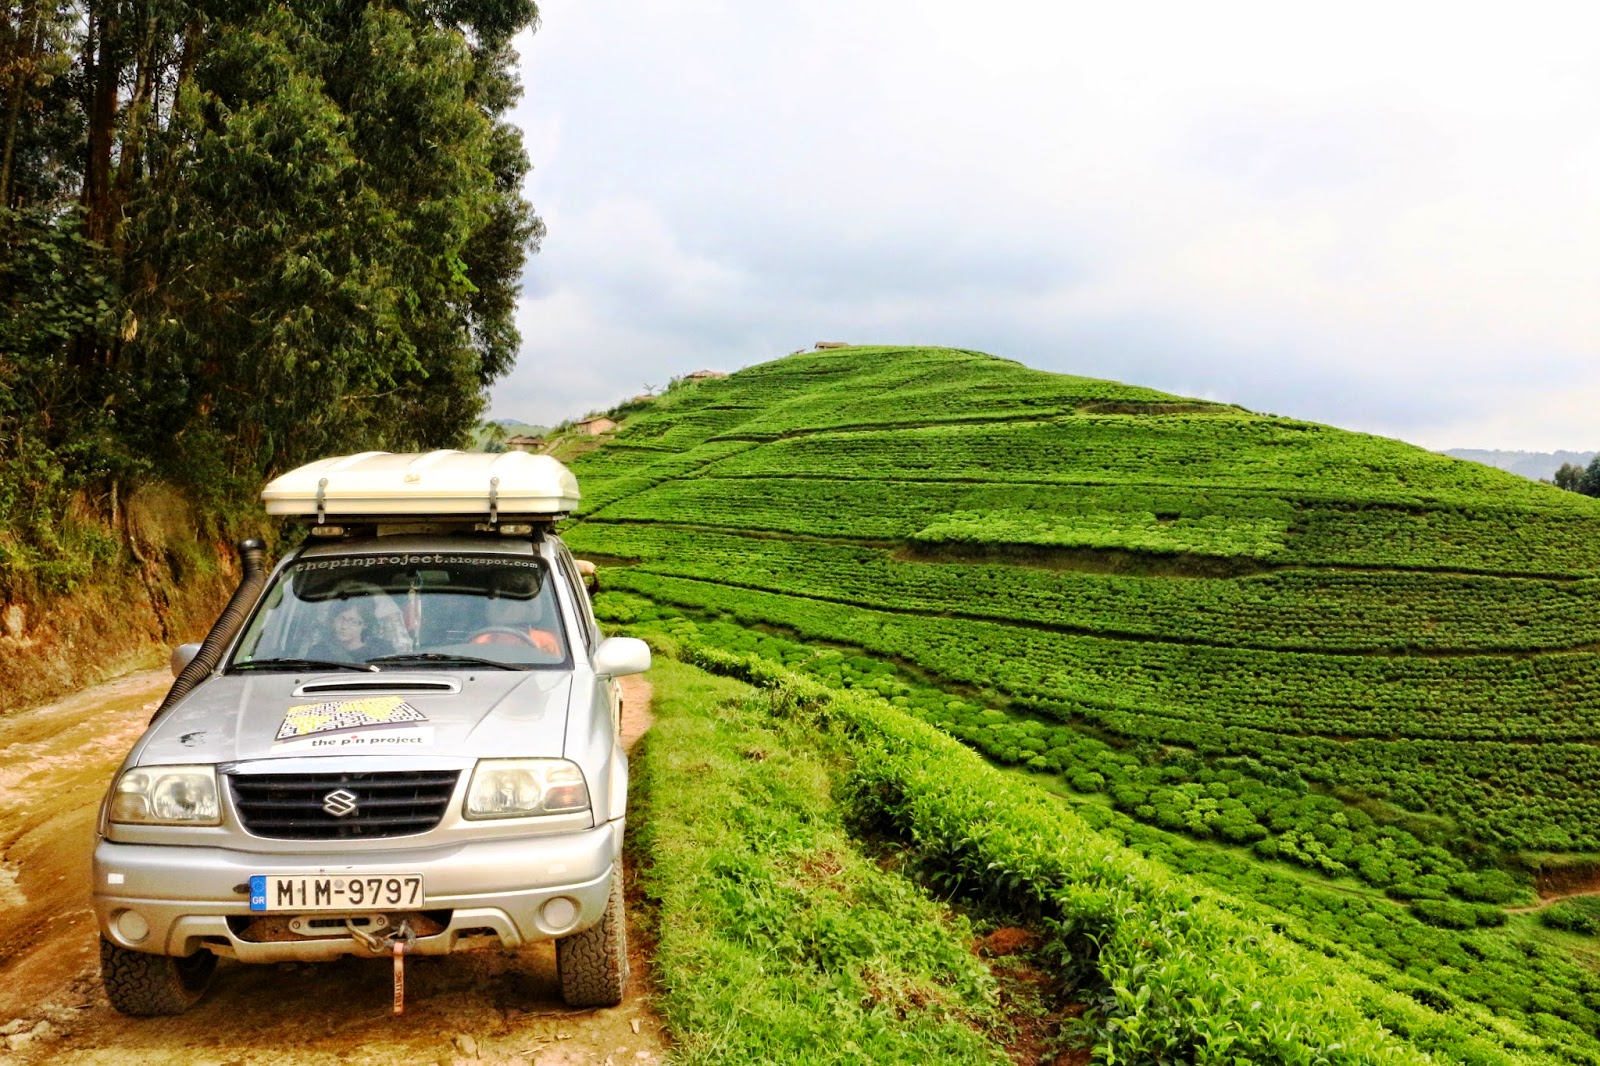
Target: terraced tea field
x=1376, y=664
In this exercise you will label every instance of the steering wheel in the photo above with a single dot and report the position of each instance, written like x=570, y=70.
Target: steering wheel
x=521, y=636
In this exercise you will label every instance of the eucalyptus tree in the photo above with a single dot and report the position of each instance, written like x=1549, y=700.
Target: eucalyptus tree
x=293, y=227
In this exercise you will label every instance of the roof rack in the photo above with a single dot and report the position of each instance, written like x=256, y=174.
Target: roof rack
x=389, y=488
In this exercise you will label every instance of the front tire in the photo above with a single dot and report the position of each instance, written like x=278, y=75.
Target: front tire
x=593, y=964
x=148, y=986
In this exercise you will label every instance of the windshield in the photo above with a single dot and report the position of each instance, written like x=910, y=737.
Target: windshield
x=407, y=609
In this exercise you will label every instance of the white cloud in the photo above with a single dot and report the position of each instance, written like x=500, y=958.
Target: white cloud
x=1379, y=215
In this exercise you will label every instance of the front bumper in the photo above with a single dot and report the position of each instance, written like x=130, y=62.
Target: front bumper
x=491, y=889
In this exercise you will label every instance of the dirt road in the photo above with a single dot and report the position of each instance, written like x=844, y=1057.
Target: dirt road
x=496, y=1006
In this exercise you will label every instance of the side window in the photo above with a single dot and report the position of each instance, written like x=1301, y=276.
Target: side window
x=580, y=596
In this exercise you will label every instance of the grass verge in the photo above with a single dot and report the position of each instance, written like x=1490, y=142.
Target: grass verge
x=778, y=940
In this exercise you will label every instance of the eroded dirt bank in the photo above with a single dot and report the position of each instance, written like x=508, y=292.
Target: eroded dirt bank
x=496, y=1006
x=155, y=581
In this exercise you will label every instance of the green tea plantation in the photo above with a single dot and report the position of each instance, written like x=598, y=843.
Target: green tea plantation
x=1349, y=687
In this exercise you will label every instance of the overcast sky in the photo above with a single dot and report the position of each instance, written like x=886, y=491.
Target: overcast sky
x=1382, y=216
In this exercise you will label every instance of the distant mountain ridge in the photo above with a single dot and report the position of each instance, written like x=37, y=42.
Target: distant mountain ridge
x=514, y=427
x=1540, y=466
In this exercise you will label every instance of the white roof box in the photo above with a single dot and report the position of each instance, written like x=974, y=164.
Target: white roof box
x=478, y=486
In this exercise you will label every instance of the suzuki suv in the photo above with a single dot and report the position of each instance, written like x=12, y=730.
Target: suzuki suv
x=403, y=740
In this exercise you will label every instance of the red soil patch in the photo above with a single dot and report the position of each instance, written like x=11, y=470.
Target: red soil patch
x=1039, y=1009
x=1007, y=940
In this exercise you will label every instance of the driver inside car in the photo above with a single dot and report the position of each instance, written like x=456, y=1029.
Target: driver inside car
x=516, y=613
x=353, y=634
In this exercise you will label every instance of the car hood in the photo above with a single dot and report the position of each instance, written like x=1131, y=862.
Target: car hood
x=447, y=714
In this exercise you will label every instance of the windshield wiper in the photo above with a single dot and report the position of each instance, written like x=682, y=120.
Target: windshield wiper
x=444, y=657
x=300, y=664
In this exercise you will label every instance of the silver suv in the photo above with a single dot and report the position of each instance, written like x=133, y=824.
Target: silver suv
x=405, y=739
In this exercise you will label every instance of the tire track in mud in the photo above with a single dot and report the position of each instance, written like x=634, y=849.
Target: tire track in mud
x=55, y=762
x=491, y=1006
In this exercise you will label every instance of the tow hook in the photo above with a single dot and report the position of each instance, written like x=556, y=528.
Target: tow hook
x=378, y=945
x=395, y=943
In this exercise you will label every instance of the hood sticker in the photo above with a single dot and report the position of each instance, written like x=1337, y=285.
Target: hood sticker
x=309, y=719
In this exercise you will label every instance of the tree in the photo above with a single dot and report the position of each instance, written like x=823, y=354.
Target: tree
x=288, y=228
x=337, y=254
x=1589, y=483
x=1568, y=477
x=491, y=437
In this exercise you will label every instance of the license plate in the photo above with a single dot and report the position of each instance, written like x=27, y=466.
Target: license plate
x=318, y=892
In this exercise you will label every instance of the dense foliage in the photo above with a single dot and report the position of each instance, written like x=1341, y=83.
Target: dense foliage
x=1242, y=644
x=234, y=237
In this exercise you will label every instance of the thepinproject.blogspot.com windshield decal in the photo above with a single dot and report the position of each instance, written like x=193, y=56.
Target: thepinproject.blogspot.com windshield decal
x=308, y=719
x=367, y=562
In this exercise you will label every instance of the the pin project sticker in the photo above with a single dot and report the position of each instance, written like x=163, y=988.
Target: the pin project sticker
x=309, y=719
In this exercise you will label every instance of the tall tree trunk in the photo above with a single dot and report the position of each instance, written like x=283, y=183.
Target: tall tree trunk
x=138, y=118
x=24, y=66
x=104, y=72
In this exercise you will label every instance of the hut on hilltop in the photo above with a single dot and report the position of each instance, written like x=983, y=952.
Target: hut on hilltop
x=594, y=426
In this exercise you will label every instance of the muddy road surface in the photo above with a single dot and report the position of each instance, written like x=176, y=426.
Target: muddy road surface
x=492, y=1006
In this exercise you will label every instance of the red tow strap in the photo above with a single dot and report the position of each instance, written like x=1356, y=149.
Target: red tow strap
x=399, y=976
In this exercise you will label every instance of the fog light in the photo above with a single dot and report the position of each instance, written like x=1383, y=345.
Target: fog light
x=132, y=926
x=559, y=913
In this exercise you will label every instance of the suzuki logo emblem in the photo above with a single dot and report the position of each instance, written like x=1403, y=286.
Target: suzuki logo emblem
x=339, y=803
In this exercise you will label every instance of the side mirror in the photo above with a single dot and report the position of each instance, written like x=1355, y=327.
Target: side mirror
x=617, y=656
x=182, y=656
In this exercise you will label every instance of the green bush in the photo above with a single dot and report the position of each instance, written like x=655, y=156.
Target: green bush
x=1447, y=914
x=1581, y=916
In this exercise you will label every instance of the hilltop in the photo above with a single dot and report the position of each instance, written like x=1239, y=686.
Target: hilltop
x=1326, y=672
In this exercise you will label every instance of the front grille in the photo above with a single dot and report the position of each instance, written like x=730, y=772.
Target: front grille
x=290, y=806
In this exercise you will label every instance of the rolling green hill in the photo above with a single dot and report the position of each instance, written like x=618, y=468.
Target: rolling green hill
x=1337, y=675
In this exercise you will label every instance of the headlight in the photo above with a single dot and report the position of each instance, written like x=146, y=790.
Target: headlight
x=167, y=795
x=515, y=788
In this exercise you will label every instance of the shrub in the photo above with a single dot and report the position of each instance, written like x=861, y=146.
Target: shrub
x=1581, y=916
x=1449, y=914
